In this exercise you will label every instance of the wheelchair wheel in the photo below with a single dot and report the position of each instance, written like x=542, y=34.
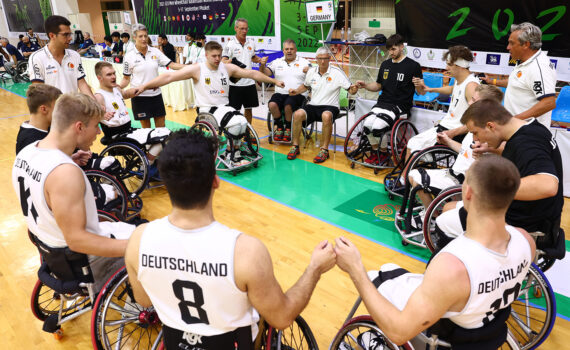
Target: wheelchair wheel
x=434, y=157
x=362, y=333
x=533, y=312
x=117, y=206
x=270, y=127
x=134, y=165
x=433, y=239
x=22, y=71
x=402, y=131
x=118, y=322
x=250, y=143
x=46, y=302
x=297, y=336
x=105, y=216
x=356, y=145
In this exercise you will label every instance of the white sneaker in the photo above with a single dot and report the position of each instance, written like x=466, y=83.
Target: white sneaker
x=239, y=160
x=417, y=223
x=371, y=341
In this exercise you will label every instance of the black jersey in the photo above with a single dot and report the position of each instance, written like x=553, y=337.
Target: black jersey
x=28, y=134
x=533, y=150
x=396, y=80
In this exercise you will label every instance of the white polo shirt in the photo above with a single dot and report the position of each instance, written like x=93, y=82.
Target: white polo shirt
x=44, y=68
x=128, y=47
x=530, y=82
x=143, y=68
x=290, y=73
x=242, y=53
x=186, y=52
x=326, y=88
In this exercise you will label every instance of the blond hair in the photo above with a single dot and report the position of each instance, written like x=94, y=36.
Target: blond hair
x=73, y=107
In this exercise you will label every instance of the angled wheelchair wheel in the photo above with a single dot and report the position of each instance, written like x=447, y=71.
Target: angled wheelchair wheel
x=118, y=322
x=46, y=302
x=356, y=145
x=134, y=171
x=208, y=118
x=402, y=131
x=434, y=157
x=362, y=333
x=250, y=142
x=270, y=126
x=533, y=312
x=22, y=71
x=112, y=187
x=434, y=239
x=297, y=336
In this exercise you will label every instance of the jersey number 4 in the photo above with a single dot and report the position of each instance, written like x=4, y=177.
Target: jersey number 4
x=24, y=195
x=186, y=306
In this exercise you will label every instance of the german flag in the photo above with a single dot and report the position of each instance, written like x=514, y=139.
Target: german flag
x=319, y=9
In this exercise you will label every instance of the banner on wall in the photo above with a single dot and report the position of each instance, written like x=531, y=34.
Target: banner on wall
x=430, y=27
x=270, y=22
x=24, y=14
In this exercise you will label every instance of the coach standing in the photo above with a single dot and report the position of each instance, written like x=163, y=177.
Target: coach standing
x=55, y=64
x=243, y=92
x=140, y=67
x=530, y=87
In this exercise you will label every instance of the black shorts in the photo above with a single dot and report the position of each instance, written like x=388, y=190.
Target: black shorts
x=245, y=96
x=239, y=339
x=282, y=100
x=147, y=107
x=314, y=113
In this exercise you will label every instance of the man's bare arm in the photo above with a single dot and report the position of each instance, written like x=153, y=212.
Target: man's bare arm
x=132, y=264
x=373, y=86
x=254, y=274
x=64, y=190
x=191, y=71
x=235, y=71
x=84, y=88
x=538, y=186
x=543, y=106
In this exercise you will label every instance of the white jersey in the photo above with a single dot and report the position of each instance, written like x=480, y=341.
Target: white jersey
x=128, y=47
x=31, y=168
x=44, y=68
x=114, y=103
x=458, y=104
x=189, y=277
x=325, y=89
x=495, y=278
x=465, y=157
x=290, y=73
x=242, y=53
x=212, y=88
x=143, y=68
x=529, y=82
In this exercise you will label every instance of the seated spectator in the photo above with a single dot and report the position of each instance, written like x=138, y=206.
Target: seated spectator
x=166, y=47
x=34, y=38
x=13, y=52
x=28, y=47
x=117, y=44
x=107, y=46
x=128, y=45
x=86, y=45
x=20, y=42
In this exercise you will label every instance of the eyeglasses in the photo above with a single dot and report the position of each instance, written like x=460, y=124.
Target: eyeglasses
x=323, y=58
x=67, y=35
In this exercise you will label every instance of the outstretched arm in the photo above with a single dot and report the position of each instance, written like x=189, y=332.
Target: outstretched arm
x=236, y=72
x=254, y=274
x=192, y=71
x=373, y=86
x=426, y=305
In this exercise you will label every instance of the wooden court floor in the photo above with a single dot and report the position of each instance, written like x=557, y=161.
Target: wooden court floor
x=289, y=235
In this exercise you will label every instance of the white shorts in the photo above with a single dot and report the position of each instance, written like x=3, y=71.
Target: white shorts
x=438, y=178
x=398, y=290
x=449, y=221
x=373, y=122
x=423, y=140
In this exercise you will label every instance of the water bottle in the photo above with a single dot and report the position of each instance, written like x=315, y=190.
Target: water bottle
x=342, y=34
x=348, y=36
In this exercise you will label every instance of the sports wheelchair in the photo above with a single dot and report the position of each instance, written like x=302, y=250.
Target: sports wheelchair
x=409, y=218
x=527, y=324
x=18, y=74
x=125, y=145
x=297, y=336
x=248, y=144
x=64, y=292
x=359, y=150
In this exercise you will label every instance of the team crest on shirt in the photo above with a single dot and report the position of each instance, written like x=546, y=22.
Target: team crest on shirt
x=70, y=65
x=249, y=48
x=385, y=75
x=519, y=74
x=207, y=81
x=115, y=105
x=154, y=57
x=296, y=64
x=329, y=78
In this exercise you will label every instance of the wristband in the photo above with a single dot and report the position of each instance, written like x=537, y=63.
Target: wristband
x=495, y=81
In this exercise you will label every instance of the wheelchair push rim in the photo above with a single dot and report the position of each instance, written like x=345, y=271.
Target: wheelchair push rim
x=298, y=336
x=134, y=172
